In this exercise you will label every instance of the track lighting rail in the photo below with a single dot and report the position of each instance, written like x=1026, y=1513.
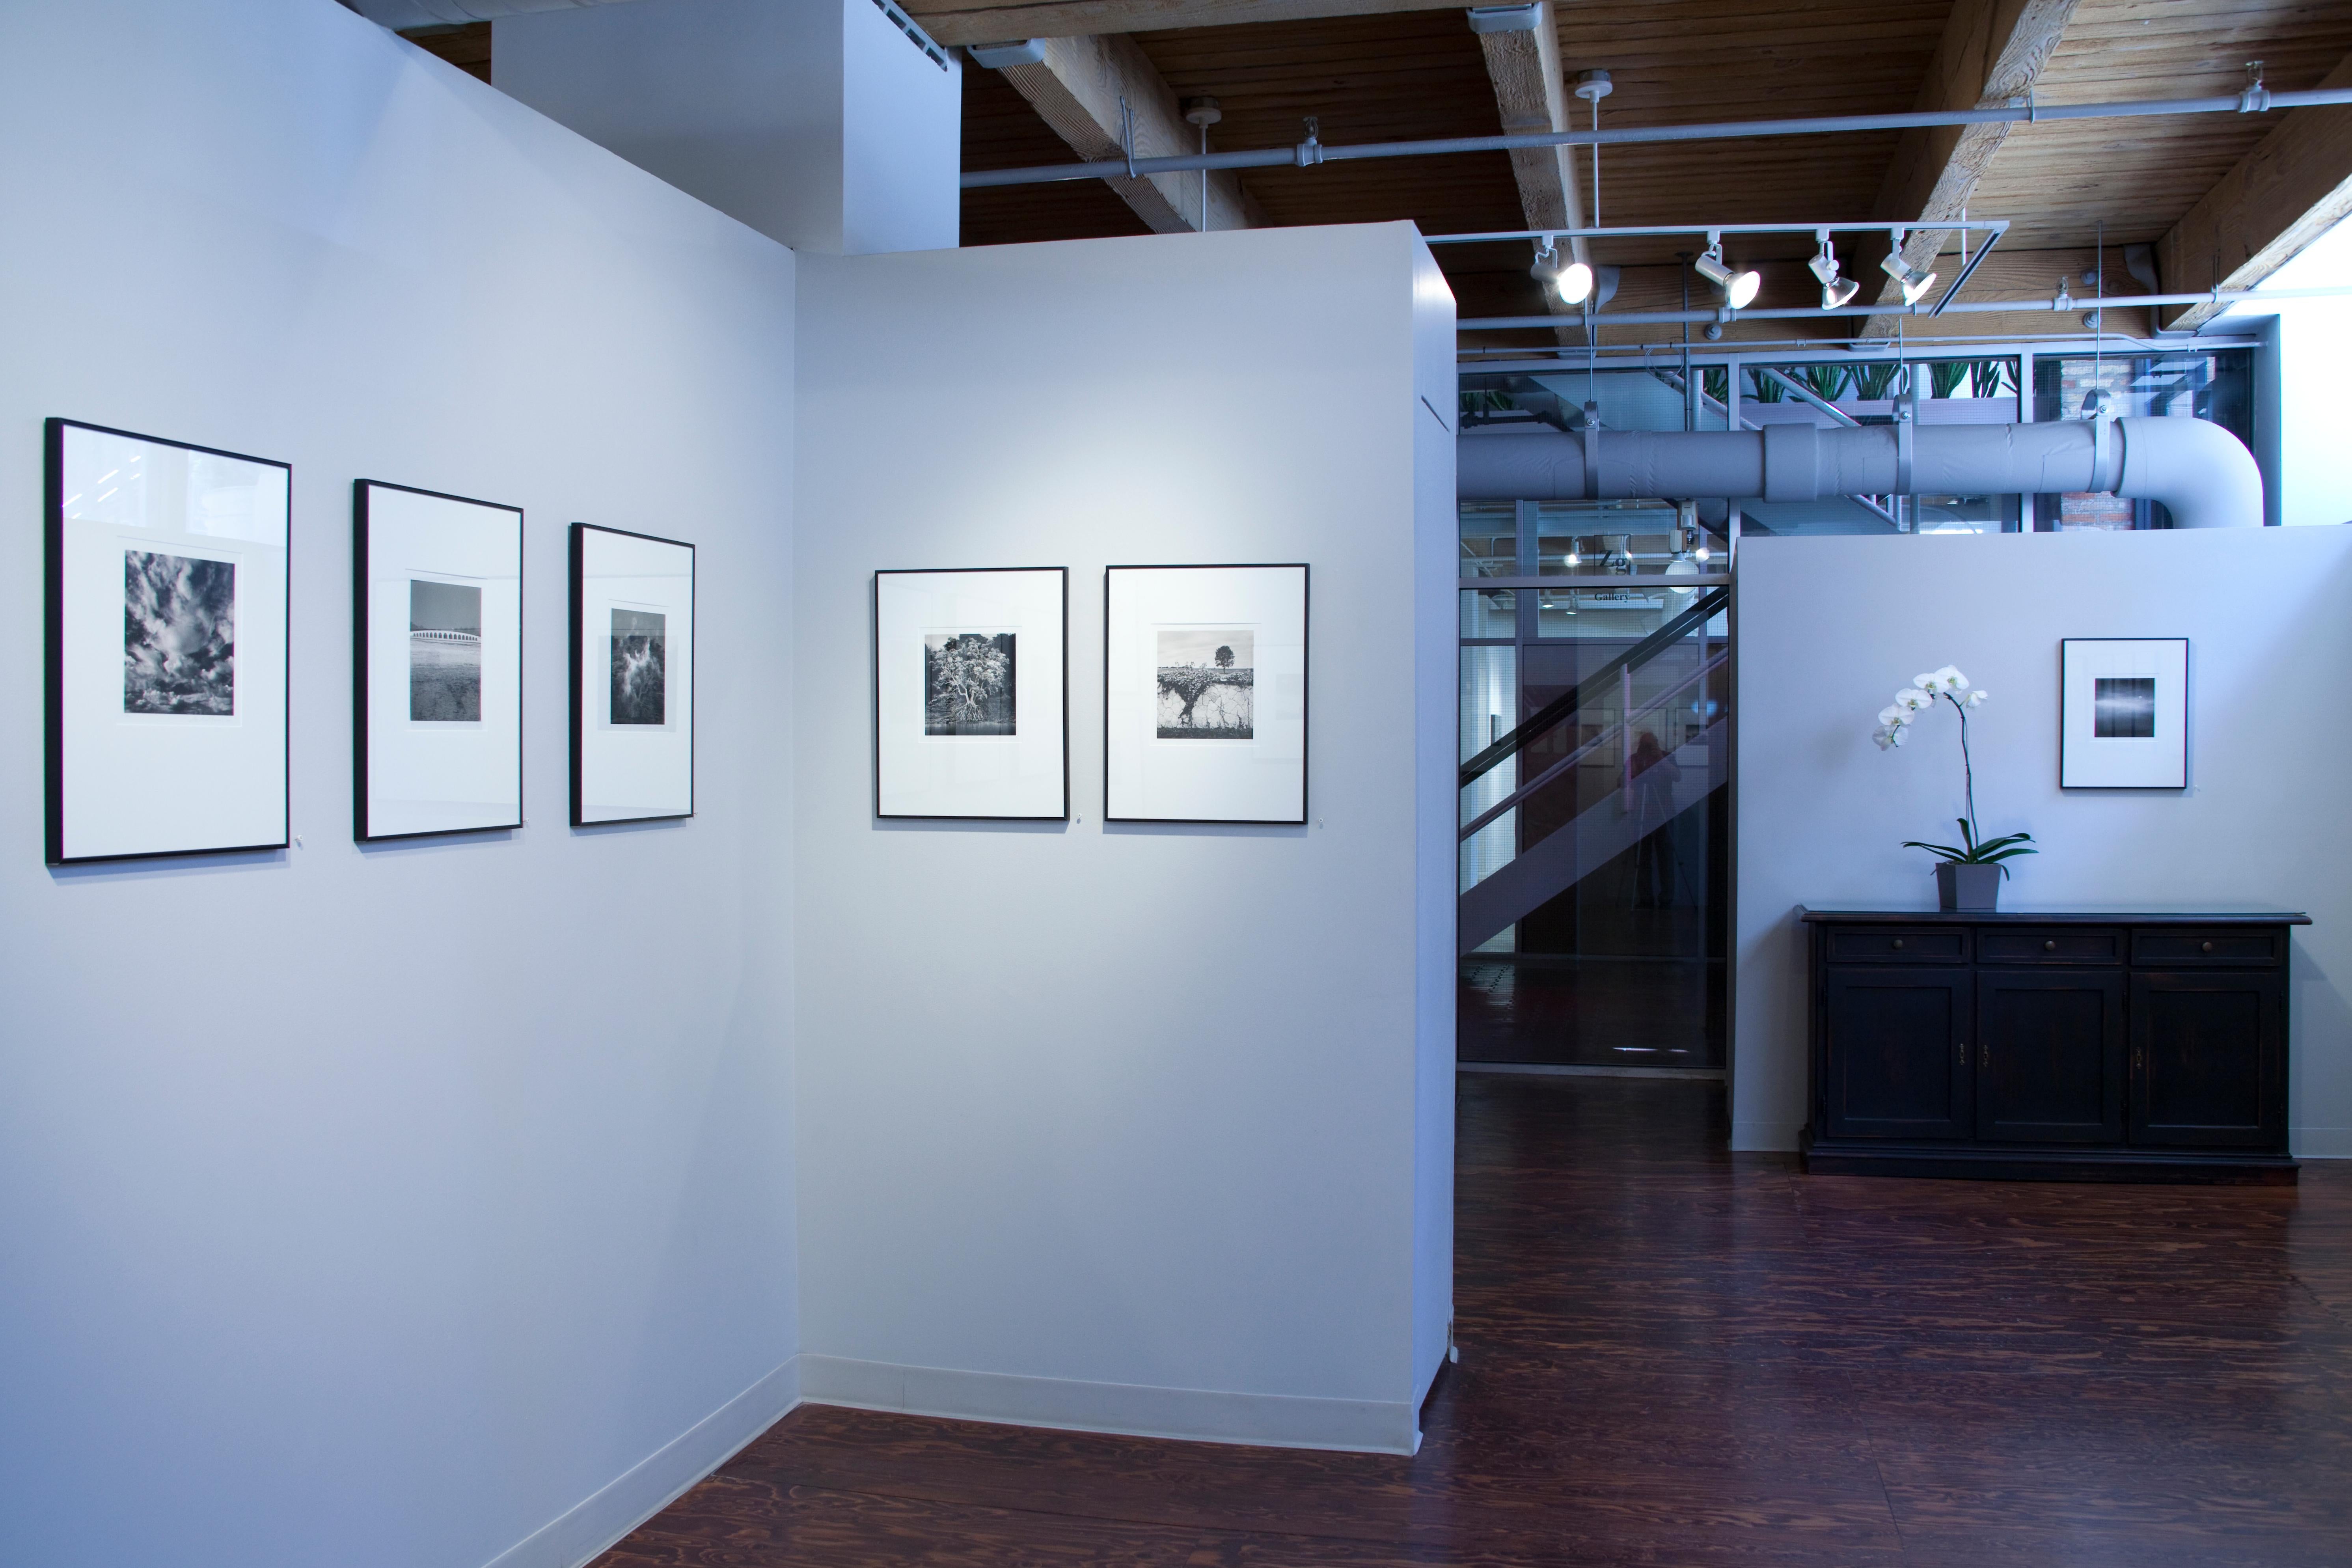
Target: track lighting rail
x=1997, y=226
x=2019, y=112
x=1809, y=312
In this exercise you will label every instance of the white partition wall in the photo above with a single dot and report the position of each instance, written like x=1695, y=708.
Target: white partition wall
x=1830, y=628
x=429, y=1204
x=1142, y=1127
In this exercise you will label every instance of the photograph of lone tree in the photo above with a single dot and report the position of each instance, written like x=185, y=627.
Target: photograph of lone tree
x=1208, y=683
x=640, y=667
x=968, y=683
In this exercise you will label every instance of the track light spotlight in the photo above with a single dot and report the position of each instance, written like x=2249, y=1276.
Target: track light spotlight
x=1835, y=290
x=1572, y=278
x=1914, y=281
x=1738, y=288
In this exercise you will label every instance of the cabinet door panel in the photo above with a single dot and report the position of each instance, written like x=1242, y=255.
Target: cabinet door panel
x=1896, y=1053
x=2209, y=1060
x=2050, y=1056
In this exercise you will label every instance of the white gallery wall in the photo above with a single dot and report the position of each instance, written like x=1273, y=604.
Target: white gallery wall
x=431, y=1205
x=1123, y=1126
x=1828, y=628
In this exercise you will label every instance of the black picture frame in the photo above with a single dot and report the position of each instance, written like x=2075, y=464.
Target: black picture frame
x=2068, y=736
x=53, y=640
x=361, y=573
x=577, y=588
x=875, y=674
x=1306, y=701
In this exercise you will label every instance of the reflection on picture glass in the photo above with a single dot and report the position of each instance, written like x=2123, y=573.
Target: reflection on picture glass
x=968, y=683
x=640, y=679
x=2123, y=708
x=1208, y=683
x=179, y=634
x=445, y=652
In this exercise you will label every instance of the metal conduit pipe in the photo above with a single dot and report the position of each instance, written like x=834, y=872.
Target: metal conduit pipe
x=2201, y=473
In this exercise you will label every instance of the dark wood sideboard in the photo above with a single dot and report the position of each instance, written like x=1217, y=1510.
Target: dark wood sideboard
x=2043, y=1046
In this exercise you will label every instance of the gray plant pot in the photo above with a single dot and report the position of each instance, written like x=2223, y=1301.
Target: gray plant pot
x=1962, y=886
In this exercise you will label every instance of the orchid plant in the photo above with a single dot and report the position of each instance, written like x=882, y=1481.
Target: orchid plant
x=1894, y=722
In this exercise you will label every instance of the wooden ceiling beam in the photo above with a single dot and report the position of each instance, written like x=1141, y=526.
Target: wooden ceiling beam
x=1077, y=89
x=1992, y=52
x=2294, y=186
x=993, y=21
x=1531, y=94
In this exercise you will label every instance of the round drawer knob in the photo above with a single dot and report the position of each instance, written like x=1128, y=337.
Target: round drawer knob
x=2208, y=947
x=1898, y=944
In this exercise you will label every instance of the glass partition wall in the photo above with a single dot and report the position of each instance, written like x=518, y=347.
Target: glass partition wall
x=1595, y=687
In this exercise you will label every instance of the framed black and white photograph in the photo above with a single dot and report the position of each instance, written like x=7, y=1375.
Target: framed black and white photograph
x=971, y=693
x=166, y=640
x=437, y=616
x=1204, y=694
x=2124, y=713
x=632, y=676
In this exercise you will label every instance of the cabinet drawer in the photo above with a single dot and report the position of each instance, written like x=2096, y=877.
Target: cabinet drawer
x=1898, y=944
x=2055, y=945
x=2192, y=947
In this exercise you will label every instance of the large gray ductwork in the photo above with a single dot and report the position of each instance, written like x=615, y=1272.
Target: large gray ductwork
x=2201, y=473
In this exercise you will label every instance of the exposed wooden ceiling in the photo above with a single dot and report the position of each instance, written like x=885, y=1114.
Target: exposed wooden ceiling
x=1396, y=69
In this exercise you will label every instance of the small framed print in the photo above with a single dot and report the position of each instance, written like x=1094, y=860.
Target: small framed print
x=2124, y=713
x=166, y=590
x=1204, y=694
x=972, y=696
x=437, y=618
x=632, y=676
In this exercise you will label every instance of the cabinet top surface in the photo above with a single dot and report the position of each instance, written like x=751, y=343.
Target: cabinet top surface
x=2055, y=917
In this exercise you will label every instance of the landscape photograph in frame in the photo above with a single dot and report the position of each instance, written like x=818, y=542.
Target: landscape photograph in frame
x=437, y=678
x=1204, y=694
x=632, y=676
x=971, y=693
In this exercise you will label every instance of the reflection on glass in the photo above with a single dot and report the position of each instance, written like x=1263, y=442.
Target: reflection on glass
x=1490, y=539
x=1489, y=613
x=2214, y=384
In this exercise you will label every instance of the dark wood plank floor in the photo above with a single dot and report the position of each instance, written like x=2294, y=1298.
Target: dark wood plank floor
x=1675, y=1356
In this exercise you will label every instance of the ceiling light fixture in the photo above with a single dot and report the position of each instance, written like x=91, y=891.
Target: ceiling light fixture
x=1738, y=288
x=1836, y=291
x=1573, y=279
x=1914, y=281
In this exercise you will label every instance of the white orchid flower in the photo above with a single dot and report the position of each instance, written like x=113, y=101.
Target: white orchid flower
x=1976, y=698
x=1927, y=683
x=1952, y=680
x=1912, y=699
x=1892, y=715
x=1884, y=736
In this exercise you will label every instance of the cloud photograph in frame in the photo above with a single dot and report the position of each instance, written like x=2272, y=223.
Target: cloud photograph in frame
x=969, y=683
x=640, y=667
x=445, y=652
x=165, y=664
x=1206, y=683
x=179, y=634
x=2123, y=708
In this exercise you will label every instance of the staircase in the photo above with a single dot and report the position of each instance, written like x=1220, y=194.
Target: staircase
x=1579, y=754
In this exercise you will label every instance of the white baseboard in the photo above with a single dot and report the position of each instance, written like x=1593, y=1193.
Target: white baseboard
x=1764, y=1137
x=2320, y=1143
x=584, y=1531
x=1267, y=1420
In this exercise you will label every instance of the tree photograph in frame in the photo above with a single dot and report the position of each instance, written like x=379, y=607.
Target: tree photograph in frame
x=971, y=693
x=632, y=676
x=1204, y=694
x=2123, y=713
x=165, y=647
x=437, y=638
